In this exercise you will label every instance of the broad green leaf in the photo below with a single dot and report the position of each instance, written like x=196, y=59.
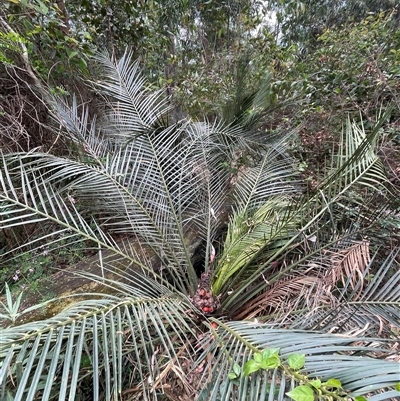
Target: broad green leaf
x=237, y=369
x=258, y=357
x=333, y=383
x=296, y=361
x=316, y=383
x=397, y=387
x=360, y=398
x=270, y=363
x=232, y=376
x=301, y=393
x=267, y=353
x=250, y=367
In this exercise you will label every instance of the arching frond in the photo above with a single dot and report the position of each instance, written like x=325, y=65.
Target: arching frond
x=366, y=302
x=252, y=235
x=356, y=162
x=89, y=143
x=26, y=198
x=307, y=217
x=108, y=340
x=309, y=286
x=135, y=108
x=274, y=175
x=349, y=360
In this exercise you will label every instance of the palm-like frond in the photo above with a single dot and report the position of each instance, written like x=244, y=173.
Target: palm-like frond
x=357, y=161
x=249, y=235
x=273, y=175
x=366, y=301
x=328, y=356
x=252, y=103
x=97, y=340
x=262, y=221
x=144, y=188
x=81, y=129
x=306, y=217
x=171, y=191
x=310, y=285
x=136, y=109
x=26, y=198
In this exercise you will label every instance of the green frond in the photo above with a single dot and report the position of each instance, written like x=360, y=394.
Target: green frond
x=106, y=339
x=251, y=236
x=262, y=220
x=327, y=356
x=251, y=102
x=89, y=142
x=356, y=162
x=32, y=192
x=274, y=175
x=307, y=217
x=135, y=108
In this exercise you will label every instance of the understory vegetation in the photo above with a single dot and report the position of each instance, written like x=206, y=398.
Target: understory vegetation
x=200, y=201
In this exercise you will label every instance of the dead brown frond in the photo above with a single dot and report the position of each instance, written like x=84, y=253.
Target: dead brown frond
x=277, y=297
x=315, y=286
x=348, y=266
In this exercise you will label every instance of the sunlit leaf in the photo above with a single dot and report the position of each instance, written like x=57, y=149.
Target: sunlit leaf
x=315, y=383
x=334, y=383
x=301, y=393
x=296, y=361
x=250, y=367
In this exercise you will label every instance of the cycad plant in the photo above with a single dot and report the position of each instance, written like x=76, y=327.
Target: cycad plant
x=223, y=277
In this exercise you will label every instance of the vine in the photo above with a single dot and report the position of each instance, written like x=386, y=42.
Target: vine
x=307, y=390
